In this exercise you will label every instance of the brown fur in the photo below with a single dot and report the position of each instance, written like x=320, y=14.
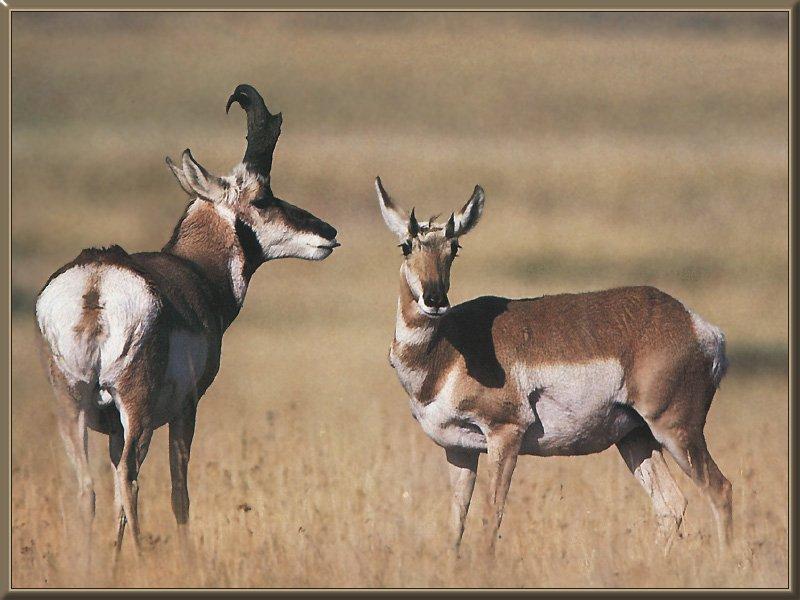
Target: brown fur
x=668, y=377
x=641, y=326
x=90, y=325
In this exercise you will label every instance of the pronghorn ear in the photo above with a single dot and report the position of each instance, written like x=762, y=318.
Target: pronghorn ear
x=394, y=216
x=179, y=176
x=200, y=181
x=465, y=219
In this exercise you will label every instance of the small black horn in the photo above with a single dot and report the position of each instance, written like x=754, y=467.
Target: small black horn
x=263, y=128
x=413, y=226
x=450, y=228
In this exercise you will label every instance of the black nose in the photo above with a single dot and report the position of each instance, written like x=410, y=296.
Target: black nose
x=435, y=299
x=325, y=230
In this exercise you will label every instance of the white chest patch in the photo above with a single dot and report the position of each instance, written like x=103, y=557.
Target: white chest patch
x=405, y=334
x=446, y=425
x=410, y=379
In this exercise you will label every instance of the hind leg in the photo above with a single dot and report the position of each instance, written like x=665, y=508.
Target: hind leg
x=692, y=455
x=642, y=454
x=136, y=441
x=678, y=426
x=116, y=441
x=74, y=433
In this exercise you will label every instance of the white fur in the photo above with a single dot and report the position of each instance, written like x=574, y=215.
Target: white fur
x=474, y=209
x=579, y=409
x=443, y=423
x=405, y=334
x=123, y=417
x=413, y=281
x=106, y=398
x=410, y=379
x=573, y=408
x=59, y=309
x=239, y=181
x=129, y=311
x=431, y=311
x=712, y=343
x=235, y=260
x=279, y=241
x=395, y=220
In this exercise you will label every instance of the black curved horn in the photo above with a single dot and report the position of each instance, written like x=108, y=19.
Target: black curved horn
x=263, y=128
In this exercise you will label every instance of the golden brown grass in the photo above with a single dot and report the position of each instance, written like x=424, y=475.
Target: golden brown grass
x=646, y=151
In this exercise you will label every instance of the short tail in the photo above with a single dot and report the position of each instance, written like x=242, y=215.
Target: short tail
x=719, y=365
x=712, y=342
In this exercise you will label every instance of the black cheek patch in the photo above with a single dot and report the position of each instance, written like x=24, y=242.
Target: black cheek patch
x=263, y=202
x=253, y=255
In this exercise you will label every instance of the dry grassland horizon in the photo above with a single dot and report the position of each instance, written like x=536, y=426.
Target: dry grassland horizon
x=623, y=149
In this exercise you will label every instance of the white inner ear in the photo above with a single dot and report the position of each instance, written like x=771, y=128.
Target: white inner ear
x=203, y=184
x=470, y=214
x=178, y=173
x=394, y=216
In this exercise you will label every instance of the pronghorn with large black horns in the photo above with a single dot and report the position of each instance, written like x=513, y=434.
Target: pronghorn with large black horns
x=132, y=341
x=570, y=374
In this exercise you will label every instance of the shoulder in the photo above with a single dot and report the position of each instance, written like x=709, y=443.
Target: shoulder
x=183, y=288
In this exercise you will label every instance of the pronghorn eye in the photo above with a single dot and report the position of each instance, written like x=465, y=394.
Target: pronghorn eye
x=406, y=246
x=454, y=246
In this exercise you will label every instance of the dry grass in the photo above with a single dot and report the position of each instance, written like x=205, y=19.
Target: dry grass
x=646, y=151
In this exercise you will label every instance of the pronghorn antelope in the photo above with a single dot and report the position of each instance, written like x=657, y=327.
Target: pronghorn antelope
x=132, y=341
x=570, y=374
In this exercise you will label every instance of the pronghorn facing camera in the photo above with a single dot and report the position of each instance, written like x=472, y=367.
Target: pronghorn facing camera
x=562, y=375
x=132, y=341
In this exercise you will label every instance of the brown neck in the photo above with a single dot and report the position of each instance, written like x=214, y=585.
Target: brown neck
x=206, y=237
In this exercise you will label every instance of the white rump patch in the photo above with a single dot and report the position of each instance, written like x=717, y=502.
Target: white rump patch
x=59, y=309
x=712, y=343
x=129, y=311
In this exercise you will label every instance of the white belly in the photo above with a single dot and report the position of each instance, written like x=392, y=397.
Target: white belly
x=576, y=408
x=569, y=409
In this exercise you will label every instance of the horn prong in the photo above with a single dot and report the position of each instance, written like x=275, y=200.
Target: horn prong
x=263, y=128
x=413, y=226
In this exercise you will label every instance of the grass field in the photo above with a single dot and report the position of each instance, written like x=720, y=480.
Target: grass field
x=614, y=149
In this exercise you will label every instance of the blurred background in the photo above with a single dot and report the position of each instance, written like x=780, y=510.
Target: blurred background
x=615, y=148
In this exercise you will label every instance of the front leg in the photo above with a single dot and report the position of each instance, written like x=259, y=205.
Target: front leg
x=181, y=432
x=463, y=467
x=503, y=445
